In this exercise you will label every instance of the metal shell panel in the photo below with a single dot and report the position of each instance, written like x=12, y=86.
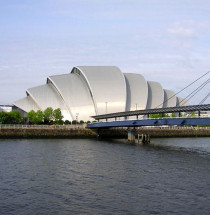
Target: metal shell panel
x=107, y=86
x=169, y=99
x=26, y=104
x=46, y=96
x=137, y=92
x=76, y=95
x=181, y=102
x=155, y=95
x=96, y=90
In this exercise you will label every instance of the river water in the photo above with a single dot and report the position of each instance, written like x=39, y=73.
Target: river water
x=61, y=176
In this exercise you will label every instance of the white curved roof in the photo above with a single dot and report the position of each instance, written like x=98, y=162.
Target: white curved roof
x=155, y=95
x=26, y=104
x=94, y=90
x=181, y=102
x=76, y=95
x=107, y=87
x=46, y=96
x=137, y=92
x=169, y=99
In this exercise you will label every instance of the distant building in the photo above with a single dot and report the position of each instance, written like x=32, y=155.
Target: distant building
x=95, y=90
x=205, y=114
x=6, y=108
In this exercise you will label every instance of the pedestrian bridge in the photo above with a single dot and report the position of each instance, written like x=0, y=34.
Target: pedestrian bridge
x=152, y=122
x=120, y=119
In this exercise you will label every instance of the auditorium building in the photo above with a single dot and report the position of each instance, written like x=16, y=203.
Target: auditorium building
x=93, y=90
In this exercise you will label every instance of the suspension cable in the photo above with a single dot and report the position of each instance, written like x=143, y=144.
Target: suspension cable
x=194, y=92
x=183, y=89
x=204, y=99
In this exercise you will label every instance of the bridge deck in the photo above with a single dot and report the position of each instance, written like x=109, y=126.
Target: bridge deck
x=152, y=122
x=190, y=108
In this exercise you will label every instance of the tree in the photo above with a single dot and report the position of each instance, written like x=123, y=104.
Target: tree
x=48, y=115
x=173, y=115
x=15, y=117
x=31, y=115
x=193, y=114
x=155, y=115
x=57, y=115
x=81, y=122
x=35, y=117
x=12, y=117
x=59, y=122
x=1, y=117
x=67, y=122
x=39, y=117
x=176, y=115
x=5, y=118
x=165, y=115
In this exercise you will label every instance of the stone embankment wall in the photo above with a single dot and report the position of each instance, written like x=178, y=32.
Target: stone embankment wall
x=46, y=132
x=79, y=131
x=157, y=132
x=176, y=132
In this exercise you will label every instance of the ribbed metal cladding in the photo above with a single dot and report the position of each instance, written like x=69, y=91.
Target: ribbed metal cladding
x=103, y=91
x=107, y=86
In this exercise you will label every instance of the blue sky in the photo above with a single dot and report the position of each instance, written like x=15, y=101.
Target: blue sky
x=166, y=41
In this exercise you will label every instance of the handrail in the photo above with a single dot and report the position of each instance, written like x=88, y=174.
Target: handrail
x=43, y=126
x=189, y=108
x=118, y=119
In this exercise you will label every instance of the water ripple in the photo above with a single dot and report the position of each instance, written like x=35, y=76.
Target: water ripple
x=171, y=176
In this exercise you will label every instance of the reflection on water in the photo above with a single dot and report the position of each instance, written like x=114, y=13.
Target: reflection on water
x=197, y=145
x=57, y=176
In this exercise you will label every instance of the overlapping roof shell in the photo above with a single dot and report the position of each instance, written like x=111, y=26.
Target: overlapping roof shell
x=96, y=90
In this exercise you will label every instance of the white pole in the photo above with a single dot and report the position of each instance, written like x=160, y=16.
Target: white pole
x=106, y=106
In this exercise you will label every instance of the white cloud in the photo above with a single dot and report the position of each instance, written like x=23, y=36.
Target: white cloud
x=178, y=30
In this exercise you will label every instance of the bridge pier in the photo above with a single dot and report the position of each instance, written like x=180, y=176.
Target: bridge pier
x=141, y=139
x=145, y=138
x=131, y=134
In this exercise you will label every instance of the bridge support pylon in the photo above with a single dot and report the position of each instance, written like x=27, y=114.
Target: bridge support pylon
x=144, y=139
x=131, y=135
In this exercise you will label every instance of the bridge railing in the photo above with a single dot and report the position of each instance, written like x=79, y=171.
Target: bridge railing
x=166, y=127
x=146, y=118
x=180, y=109
x=174, y=127
x=43, y=126
x=12, y=126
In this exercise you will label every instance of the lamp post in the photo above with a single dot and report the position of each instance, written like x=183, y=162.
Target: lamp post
x=106, y=106
x=77, y=115
x=136, y=106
